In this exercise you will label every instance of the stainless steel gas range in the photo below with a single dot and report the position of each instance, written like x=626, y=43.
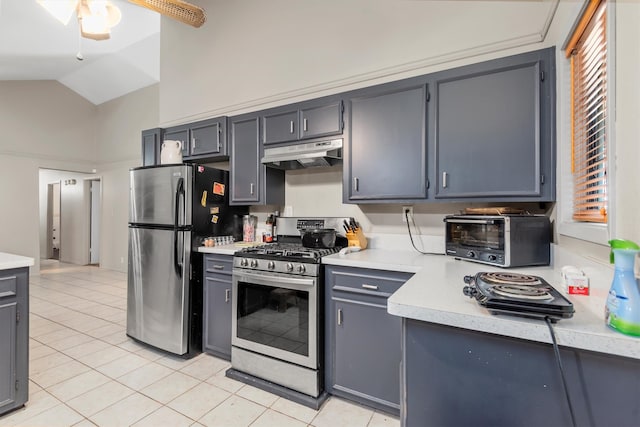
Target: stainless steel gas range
x=277, y=311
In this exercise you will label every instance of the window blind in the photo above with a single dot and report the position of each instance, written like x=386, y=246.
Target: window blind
x=589, y=117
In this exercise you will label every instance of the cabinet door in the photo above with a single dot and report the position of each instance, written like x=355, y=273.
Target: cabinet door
x=367, y=350
x=151, y=141
x=8, y=339
x=178, y=133
x=280, y=126
x=245, y=160
x=217, y=315
x=319, y=121
x=488, y=133
x=209, y=137
x=387, y=158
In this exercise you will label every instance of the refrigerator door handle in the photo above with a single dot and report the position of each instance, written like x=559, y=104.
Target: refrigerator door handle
x=179, y=191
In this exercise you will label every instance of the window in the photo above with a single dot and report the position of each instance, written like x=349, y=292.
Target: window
x=587, y=51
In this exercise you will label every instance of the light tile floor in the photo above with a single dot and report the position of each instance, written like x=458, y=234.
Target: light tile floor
x=85, y=371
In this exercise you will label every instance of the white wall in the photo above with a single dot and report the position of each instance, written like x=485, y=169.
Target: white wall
x=119, y=149
x=45, y=125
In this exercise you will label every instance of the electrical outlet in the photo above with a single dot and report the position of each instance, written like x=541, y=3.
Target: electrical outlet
x=407, y=210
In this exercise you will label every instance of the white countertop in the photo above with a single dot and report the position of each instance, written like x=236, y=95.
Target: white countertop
x=8, y=261
x=227, y=249
x=434, y=294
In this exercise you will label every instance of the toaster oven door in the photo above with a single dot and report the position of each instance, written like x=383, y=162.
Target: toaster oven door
x=476, y=233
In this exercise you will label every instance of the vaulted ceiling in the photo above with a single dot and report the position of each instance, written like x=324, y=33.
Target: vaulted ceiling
x=36, y=46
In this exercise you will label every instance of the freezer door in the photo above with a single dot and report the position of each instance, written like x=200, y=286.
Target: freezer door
x=158, y=288
x=161, y=195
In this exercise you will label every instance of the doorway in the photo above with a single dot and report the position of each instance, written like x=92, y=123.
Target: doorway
x=70, y=220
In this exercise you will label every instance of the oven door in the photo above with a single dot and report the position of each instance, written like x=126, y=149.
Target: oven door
x=476, y=233
x=276, y=315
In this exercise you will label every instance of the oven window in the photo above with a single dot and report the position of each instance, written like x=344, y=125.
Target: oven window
x=277, y=317
x=489, y=236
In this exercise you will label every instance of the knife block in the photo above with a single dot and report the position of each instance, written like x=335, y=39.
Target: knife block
x=356, y=238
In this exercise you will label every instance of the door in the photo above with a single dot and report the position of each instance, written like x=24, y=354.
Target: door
x=158, y=287
x=217, y=314
x=7, y=354
x=367, y=350
x=321, y=121
x=276, y=315
x=280, y=127
x=94, y=243
x=158, y=194
x=245, y=161
x=207, y=138
x=388, y=150
x=178, y=133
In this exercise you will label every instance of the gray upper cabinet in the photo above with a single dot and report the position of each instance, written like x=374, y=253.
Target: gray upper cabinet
x=280, y=126
x=206, y=139
x=209, y=137
x=178, y=133
x=252, y=183
x=321, y=120
x=492, y=129
x=310, y=119
x=151, y=142
x=386, y=158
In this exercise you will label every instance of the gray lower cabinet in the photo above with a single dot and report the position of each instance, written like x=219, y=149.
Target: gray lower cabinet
x=14, y=336
x=151, y=144
x=492, y=129
x=457, y=377
x=216, y=330
x=252, y=183
x=386, y=158
x=362, y=341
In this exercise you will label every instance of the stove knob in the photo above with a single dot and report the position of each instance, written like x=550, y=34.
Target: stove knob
x=470, y=291
x=301, y=268
x=244, y=262
x=492, y=257
x=289, y=267
x=254, y=263
x=471, y=254
x=271, y=265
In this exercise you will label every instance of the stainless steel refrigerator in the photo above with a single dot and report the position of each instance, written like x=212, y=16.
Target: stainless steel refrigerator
x=171, y=208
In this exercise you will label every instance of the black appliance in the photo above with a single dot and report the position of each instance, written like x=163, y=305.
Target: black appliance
x=171, y=208
x=509, y=240
x=518, y=294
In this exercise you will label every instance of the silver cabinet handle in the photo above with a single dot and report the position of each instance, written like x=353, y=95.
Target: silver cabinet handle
x=227, y=295
x=193, y=143
x=374, y=287
x=339, y=316
x=251, y=188
x=291, y=126
x=356, y=184
x=444, y=179
x=304, y=124
x=218, y=138
x=218, y=267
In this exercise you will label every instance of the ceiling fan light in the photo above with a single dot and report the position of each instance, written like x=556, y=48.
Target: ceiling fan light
x=61, y=9
x=94, y=24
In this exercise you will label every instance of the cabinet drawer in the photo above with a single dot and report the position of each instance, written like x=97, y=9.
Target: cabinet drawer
x=218, y=264
x=8, y=286
x=369, y=282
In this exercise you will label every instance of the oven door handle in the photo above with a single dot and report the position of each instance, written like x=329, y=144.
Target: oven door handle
x=276, y=281
x=471, y=221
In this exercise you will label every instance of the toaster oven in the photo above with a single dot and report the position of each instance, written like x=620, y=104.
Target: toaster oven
x=500, y=240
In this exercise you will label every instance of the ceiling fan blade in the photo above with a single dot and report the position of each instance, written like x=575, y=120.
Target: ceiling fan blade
x=176, y=9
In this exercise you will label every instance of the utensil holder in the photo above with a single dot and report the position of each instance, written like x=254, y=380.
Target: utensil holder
x=356, y=238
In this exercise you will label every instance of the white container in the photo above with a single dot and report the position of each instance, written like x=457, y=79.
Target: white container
x=171, y=152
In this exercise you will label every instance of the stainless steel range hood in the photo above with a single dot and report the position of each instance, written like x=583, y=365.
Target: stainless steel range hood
x=304, y=155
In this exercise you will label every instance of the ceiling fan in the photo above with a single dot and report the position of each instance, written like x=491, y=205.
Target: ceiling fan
x=97, y=17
